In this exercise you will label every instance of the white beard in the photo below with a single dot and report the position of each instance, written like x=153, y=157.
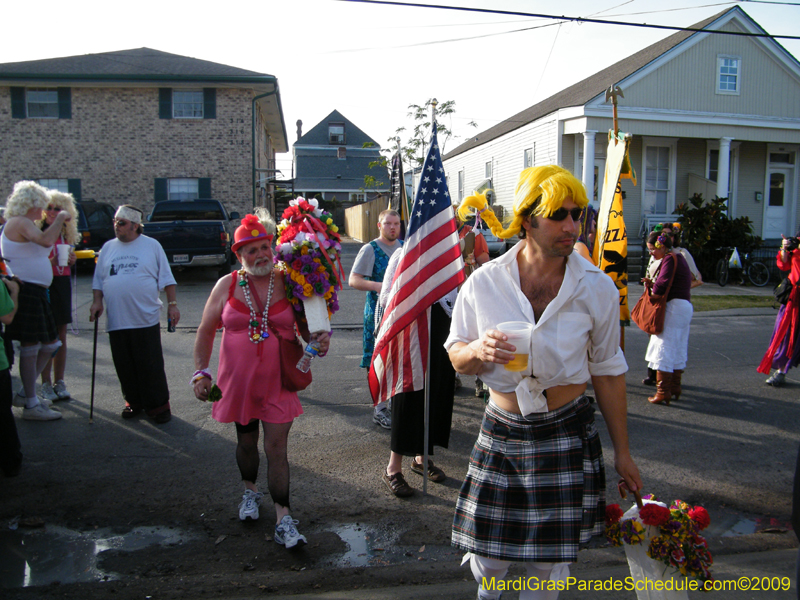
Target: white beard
x=258, y=271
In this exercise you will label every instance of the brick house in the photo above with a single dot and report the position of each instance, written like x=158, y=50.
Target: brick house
x=139, y=126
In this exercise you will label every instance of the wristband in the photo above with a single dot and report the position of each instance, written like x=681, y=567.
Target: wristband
x=173, y=303
x=198, y=375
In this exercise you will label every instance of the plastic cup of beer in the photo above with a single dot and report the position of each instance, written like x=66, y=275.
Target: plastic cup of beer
x=519, y=335
x=63, y=254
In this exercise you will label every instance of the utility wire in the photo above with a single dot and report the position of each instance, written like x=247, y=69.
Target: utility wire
x=576, y=19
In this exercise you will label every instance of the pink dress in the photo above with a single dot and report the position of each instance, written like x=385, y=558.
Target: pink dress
x=249, y=374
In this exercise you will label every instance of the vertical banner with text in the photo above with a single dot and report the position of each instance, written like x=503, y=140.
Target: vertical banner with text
x=611, y=243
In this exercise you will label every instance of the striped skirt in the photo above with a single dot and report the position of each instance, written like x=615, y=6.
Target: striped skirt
x=535, y=487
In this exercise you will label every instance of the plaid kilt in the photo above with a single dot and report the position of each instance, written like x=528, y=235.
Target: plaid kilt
x=535, y=487
x=34, y=320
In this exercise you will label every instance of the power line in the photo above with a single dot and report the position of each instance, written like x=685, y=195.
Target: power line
x=578, y=19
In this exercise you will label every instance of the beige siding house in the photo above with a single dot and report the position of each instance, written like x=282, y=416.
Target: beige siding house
x=139, y=126
x=710, y=113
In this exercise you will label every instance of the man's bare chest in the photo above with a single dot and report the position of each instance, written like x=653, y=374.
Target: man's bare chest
x=540, y=294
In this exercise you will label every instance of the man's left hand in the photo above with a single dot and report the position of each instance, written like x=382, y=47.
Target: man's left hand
x=628, y=470
x=174, y=314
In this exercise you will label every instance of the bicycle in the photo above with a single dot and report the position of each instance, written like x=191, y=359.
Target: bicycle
x=757, y=272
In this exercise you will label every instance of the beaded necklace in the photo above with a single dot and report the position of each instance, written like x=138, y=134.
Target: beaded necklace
x=254, y=335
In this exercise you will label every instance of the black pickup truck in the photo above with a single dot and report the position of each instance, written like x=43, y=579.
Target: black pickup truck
x=193, y=233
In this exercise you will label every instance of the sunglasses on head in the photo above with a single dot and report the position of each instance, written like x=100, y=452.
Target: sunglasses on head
x=562, y=213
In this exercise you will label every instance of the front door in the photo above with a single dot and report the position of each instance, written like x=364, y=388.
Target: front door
x=777, y=217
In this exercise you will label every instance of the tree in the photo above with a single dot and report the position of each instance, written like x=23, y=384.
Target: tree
x=413, y=150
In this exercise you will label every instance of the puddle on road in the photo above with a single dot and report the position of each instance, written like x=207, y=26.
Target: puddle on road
x=42, y=556
x=366, y=546
x=735, y=524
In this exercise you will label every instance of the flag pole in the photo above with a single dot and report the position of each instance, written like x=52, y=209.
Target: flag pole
x=612, y=93
x=426, y=436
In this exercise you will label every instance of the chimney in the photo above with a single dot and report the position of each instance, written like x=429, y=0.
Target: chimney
x=299, y=129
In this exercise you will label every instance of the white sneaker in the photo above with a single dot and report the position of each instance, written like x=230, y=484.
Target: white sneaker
x=40, y=413
x=48, y=393
x=382, y=418
x=60, y=388
x=20, y=401
x=286, y=533
x=248, y=507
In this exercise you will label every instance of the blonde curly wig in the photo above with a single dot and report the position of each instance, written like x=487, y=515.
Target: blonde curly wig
x=26, y=195
x=540, y=192
x=64, y=202
x=262, y=214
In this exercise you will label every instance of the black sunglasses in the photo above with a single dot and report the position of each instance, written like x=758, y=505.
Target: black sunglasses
x=562, y=213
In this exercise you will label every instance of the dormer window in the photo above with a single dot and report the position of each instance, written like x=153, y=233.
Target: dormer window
x=336, y=133
x=729, y=74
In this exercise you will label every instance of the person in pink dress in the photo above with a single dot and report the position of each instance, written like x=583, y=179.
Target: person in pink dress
x=251, y=307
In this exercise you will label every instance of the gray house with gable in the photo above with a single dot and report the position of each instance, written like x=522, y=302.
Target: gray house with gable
x=332, y=160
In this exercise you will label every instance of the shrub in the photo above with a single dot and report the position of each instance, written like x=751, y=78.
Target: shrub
x=706, y=228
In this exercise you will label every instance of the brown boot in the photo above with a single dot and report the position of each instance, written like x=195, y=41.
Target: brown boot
x=663, y=388
x=676, y=383
x=651, y=377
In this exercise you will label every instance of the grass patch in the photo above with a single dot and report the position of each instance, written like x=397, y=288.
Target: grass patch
x=706, y=303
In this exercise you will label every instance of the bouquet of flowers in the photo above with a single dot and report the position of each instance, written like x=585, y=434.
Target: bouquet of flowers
x=662, y=534
x=309, y=247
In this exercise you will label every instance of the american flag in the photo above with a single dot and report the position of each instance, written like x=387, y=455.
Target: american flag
x=429, y=268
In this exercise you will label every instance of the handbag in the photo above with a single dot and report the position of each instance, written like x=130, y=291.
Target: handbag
x=649, y=312
x=291, y=351
x=783, y=290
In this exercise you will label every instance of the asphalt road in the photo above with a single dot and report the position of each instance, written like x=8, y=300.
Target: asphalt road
x=730, y=444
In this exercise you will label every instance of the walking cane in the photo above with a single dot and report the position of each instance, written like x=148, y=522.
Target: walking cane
x=94, y=364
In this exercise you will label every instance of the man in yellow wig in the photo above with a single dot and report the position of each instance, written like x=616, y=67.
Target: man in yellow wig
x=535, y=488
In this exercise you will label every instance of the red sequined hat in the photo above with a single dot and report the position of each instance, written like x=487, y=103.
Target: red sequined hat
x=250, y=230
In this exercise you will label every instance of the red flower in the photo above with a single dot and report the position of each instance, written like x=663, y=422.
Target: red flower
x=700, y=516
x=653, y=514
x=613, y=514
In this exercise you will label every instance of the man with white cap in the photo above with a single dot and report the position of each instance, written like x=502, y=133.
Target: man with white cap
x=130, y=272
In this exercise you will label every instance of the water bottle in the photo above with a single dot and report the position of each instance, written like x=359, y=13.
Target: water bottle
x=312, y=350
x=170, y=326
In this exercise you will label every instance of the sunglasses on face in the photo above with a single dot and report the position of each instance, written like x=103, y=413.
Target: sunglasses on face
x=52, y=208
x=562, y=213
x=121, y=223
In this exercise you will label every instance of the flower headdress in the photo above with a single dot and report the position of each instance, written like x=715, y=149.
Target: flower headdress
x=660, y=241
x=309, y=245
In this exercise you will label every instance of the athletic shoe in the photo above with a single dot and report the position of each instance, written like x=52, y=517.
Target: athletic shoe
x=382, y=417
x=286, y=533
x=20, y=401
x=777, y=379
x=48, y=393
x=40, y=413
x=60, y=388
x=248, y=507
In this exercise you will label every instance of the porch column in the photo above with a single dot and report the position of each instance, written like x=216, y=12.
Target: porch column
x=588, y=162
x=724, y=167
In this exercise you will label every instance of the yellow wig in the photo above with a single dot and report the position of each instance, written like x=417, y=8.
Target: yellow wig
x=65, y=202
x=549, y=185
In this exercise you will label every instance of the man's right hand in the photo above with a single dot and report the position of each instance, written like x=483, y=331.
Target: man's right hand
x=95, y=311
x=492, y=347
